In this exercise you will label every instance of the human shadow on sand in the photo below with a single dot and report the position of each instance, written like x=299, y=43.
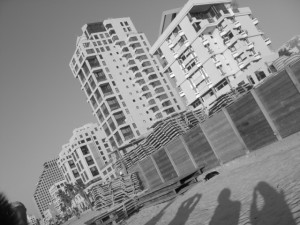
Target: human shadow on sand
x=156, y=218
x=273, y=209
x=227, y=212
x=185, y=209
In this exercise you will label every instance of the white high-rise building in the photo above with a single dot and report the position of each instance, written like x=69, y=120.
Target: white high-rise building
x=50, y=175
x=209, y=47
x=85, y=159
x=121, y=80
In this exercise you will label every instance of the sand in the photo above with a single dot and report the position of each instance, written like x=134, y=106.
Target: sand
x=260, y=188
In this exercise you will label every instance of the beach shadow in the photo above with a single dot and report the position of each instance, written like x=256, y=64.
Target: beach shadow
x=185, y=209
x=227, y=212
x=156, y=218
x=273, y=208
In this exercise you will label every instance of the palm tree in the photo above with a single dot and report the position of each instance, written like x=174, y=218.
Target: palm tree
x=79, y=187
x=66, y=200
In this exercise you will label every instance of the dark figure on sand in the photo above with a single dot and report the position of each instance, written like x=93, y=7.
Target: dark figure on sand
x=227, y=212
x=185, y=209
x=274, y=209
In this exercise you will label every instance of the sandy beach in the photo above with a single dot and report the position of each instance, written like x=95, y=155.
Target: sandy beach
x=260, y=188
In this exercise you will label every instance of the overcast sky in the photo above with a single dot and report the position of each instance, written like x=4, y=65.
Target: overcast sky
x=40, y=100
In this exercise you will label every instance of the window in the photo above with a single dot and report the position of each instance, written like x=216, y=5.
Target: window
x=84, y=150
x=71, y=164
x=89, y=160
x=113, y=103
x=87, y=89
x=94, y=171
x=106, y=129
x=127, y=133
x=93, y=62
x=118, y=138
x=112, y=142
x=111, y=124
x=119, y=117
x=75, y=173
x=260, y=75
x=126, y=23
x=92, y=82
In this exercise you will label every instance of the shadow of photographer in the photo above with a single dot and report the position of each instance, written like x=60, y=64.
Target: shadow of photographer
x=273, y=208
x=185, y=209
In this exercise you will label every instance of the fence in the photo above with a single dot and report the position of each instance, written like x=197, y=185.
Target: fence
x=266, y=114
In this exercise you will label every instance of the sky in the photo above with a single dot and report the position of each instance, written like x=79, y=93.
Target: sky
x=41, y=102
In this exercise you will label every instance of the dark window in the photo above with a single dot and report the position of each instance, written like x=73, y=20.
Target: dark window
x=84, y=150
x=94, y=171
x=89, y=160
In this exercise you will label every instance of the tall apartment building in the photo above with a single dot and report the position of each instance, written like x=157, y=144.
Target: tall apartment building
x=209, y=47
x=121, y=80
x=50, y=175
x=85, y=159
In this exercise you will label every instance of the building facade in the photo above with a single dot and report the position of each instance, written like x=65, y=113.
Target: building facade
x=54, y=189
x=31, y=220
x=50, y=175
x=85, y=159
x=121, y=80
x=210, y=47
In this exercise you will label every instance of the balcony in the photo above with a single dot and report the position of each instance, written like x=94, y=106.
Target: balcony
x=154, y=108
x=244, y=34
x=187, y=43
x=218, y=63
x=140, y=81
x=170, y=44
x=198, y=64
x=181, y=93
x=268, y=41
x=171, y=74
x=175, y=55
x=139, y=51
x=250, y=45
x=108, y=26
x=135, y=45
x=210, y=50
x=114, y=38
x=181, y=33
x=257, y=56
x=255, y=21
x=137, y=75
x=241, y=65
x=127, y=56
x=235, y=54
x=237, y=24
x=112, y=32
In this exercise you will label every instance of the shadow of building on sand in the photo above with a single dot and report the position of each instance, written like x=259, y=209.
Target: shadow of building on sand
x=185, y=209
x=227, y=212
x=272, y=209
x=156, y=218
